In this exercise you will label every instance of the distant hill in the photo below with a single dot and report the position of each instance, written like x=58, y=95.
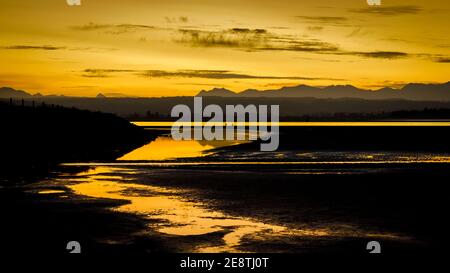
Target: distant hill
x=8, y=92
x=218, y=92
x=412, y=91
x=112, y=95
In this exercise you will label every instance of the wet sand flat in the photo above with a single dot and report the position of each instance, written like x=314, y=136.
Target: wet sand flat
x=248, y=211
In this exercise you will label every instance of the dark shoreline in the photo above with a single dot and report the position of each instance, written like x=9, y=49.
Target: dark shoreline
x=36, y=139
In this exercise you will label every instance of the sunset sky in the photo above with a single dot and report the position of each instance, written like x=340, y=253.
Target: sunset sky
x=178, y=47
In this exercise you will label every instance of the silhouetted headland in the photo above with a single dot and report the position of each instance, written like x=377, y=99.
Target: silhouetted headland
x=37, y=137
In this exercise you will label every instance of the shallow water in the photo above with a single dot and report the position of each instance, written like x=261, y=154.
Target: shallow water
x=178, y=215
x=177, y=211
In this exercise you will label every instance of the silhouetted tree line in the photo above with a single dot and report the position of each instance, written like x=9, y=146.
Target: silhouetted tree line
x=424, y=114
x=149, y=115
x=427, y=113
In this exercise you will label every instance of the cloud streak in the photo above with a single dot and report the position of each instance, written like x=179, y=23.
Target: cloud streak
x=113, y=28
x=180, y=19
x=235, y=37
x=252, y=40
x=103, y=73
x=32, y=47
x=324, y=19
x=443, y=60
x=215, y=74
x=262, y=40
x=54, y=48
x=389, y=10
x=381, y=54
x=191, y=73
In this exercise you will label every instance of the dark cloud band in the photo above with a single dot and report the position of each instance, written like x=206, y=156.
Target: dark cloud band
x=29, y=47
x=389, y=10
x=188, y=73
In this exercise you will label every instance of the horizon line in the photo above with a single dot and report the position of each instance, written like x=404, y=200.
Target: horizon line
x=360, y=89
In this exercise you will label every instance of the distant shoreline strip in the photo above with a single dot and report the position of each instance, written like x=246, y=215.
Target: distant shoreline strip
x=219, y=163
x=297, y=124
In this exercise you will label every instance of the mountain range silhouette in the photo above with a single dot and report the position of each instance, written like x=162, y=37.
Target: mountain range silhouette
x=411, y=91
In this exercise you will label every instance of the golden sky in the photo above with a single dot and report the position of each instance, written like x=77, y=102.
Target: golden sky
x=178, y=47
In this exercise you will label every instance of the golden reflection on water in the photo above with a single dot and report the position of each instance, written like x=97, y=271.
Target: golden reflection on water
x=165, y=148
x=179, y=216
x=183, y=217
x=50, y=191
